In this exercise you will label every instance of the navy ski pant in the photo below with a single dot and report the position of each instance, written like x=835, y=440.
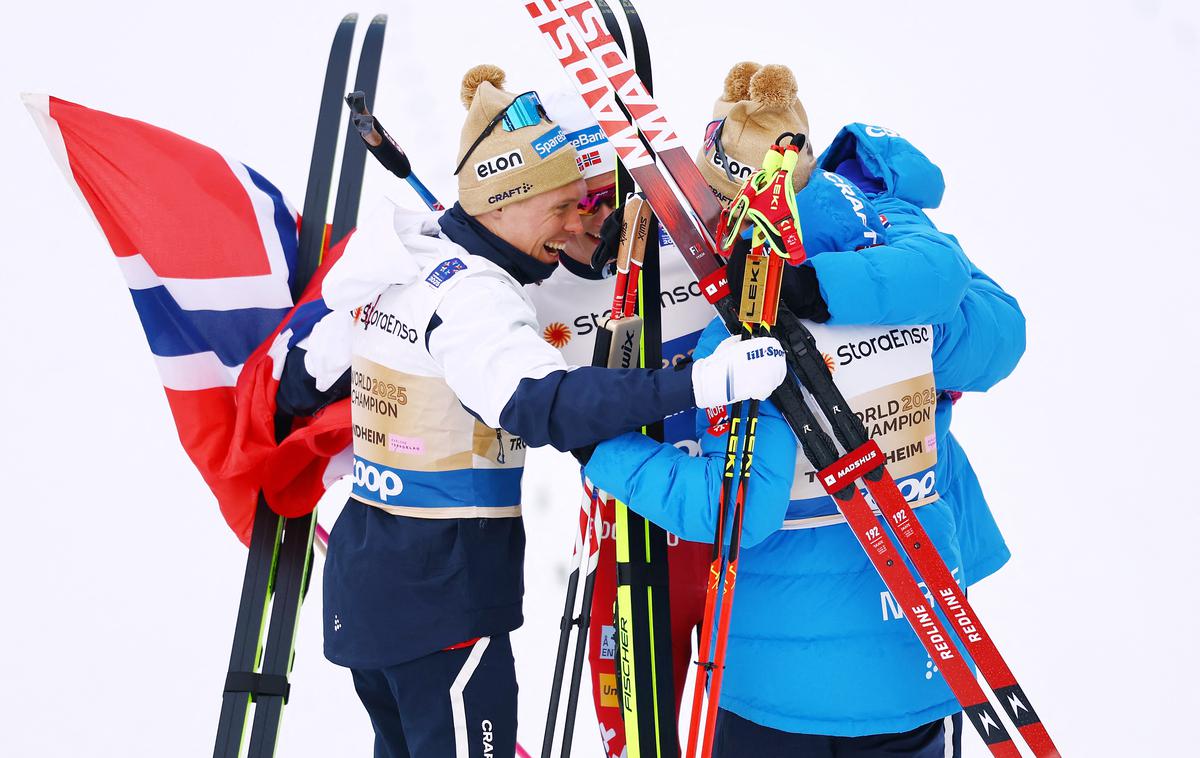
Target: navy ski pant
x=736, y=736
x=452, y=704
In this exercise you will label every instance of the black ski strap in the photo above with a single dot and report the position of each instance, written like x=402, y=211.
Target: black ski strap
x=255, y=684
x=654, y=574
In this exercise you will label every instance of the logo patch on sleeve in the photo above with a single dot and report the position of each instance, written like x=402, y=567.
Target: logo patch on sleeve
x=444, y=271
x=718, y=420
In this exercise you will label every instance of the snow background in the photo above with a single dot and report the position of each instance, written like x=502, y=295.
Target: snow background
x=1065, y=131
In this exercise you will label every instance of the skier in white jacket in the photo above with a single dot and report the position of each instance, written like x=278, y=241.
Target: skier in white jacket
x=450, y=380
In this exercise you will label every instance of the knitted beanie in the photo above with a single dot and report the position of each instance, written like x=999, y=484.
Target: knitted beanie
x=766, y=106
x=505, y=166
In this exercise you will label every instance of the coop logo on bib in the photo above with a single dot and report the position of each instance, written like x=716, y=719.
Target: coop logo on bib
x=383, y=483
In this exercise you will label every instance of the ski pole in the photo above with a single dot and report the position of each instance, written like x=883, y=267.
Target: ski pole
x=761, y=281
x=385, y=149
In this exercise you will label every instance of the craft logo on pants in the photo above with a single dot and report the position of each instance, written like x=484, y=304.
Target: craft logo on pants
x=488, y=739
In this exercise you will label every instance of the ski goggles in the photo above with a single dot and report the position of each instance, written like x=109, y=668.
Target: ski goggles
x=525, y=110
x=712, y=141
x=591, y=202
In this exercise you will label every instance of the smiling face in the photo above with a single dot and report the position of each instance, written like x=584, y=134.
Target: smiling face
x=581, y=246
x=542, y=225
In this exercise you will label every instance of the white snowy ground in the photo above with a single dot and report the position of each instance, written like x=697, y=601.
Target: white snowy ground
x=1067, y=134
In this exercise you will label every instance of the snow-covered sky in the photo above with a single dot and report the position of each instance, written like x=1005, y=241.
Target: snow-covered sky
x=1066, y=132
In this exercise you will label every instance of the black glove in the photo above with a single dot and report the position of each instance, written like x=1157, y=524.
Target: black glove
x=800, y=291
x=610, y=242
x=584, y=454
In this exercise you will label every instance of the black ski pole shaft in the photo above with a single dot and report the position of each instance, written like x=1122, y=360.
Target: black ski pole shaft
x=385, y=149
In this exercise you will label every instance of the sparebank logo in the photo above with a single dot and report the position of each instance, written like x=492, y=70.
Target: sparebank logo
x=385, y=483
x=592, y=135
x=550, y=142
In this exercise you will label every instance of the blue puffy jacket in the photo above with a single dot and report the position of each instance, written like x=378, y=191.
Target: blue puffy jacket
x=901, y=181
x=816, y=645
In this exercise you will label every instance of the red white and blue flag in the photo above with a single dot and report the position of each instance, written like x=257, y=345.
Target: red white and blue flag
x=208, y=248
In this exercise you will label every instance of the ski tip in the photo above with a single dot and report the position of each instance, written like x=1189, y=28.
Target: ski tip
x=379, y=19
x=350, y=18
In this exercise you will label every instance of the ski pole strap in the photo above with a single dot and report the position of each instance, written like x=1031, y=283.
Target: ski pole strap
x=255, y=684
x=767, y=203
x=376, y=138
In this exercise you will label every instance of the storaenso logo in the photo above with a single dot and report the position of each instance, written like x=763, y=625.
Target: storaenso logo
x=498, y=164
x=386, y=483
x=893, y=340
x=740, y=171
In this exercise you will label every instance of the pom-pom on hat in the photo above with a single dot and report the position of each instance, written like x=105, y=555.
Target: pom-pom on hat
x=498, y=167
x=767, y=106
x=737, y=87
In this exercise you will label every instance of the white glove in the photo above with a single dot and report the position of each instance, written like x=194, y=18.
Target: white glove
x=738, y=370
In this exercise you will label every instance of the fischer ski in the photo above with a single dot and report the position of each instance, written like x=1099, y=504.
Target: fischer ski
x=641, y=546
x=279, y=563
x=573, y=35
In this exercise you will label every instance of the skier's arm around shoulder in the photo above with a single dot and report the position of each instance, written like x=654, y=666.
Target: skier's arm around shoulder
x=918, y=277
x=682, y=493
x=487, y=341
x=982, y=343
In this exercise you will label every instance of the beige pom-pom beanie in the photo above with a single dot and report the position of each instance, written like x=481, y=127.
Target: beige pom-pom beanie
x=507, y=166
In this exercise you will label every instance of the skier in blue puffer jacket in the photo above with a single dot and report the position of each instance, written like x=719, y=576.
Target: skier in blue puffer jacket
x=819, y=658
x=901, y=182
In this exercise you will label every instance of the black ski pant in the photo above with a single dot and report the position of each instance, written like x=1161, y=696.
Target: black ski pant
x=459, y=703
x=736, y=736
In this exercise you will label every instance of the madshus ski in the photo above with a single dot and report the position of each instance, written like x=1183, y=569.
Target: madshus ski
x=279, y=564
x=595, y=63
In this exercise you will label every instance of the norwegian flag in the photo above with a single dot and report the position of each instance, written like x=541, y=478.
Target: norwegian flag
x=208, y=248
x=590, y=158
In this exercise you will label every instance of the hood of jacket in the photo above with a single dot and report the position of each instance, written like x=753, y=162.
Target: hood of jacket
x=389, y=248
x=883, y=163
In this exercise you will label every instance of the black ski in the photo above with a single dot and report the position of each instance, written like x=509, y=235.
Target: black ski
x=279, y=558
x=354, y=154
x=650, y=726
x=320, y=168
